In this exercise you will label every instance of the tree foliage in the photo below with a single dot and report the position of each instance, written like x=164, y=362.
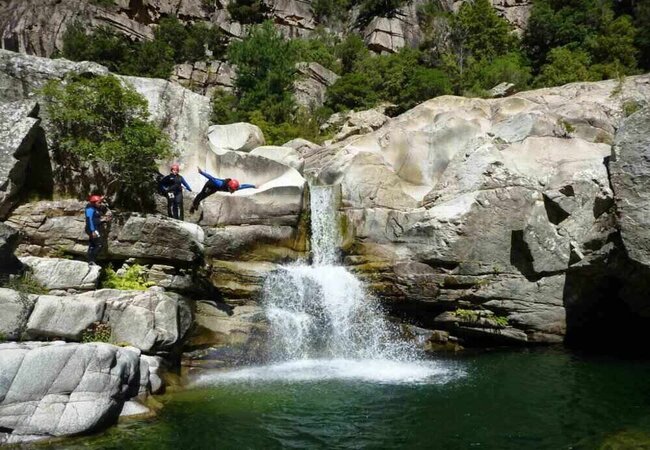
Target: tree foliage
x=590, y=29
x=173, y=43
x=265, y=63
x=98, y=121
x=398, y=79
x=249, y=11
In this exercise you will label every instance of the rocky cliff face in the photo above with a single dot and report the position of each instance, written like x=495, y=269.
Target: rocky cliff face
x=36, y=27
x=502, y=207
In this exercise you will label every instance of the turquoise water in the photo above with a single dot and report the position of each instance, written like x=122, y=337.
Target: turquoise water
x=540, y=399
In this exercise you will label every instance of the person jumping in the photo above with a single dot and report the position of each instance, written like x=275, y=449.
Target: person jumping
x=172, y=187
x=215, y=184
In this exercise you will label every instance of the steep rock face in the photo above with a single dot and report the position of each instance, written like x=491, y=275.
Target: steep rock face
x=483, y=204
x=22, y=150
x=311, y=87
x=63, y=389
x=630, y=168
x=36, y=27
x=205, y=78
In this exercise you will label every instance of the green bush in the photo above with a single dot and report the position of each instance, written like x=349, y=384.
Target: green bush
x=320, y=47
x=249, y=11
x=133, y=278
x=377, y=8
x=564, y=66
x=96, y=332
x=334, y=10
x=98, y=121
x=584, y=26
x=173, y=43
x=398, y=79
x=26, y=284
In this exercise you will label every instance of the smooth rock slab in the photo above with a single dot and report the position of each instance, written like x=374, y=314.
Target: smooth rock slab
x=64, y=389
x=64, y=317
x=58, y=273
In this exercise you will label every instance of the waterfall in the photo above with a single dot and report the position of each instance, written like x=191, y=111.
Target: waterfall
x=322, y=310
x=325, y=326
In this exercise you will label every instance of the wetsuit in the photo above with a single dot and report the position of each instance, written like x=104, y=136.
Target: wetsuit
x=213, y=185
x=172, y=187
x=93, y=221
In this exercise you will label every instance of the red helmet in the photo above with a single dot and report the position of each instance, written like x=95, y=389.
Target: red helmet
x=233, y=185
x=95, y=198
x=175, y=167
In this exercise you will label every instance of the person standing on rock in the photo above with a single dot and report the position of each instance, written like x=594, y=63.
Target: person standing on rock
x=93, y=214
x=215, y=184
x=172, y=187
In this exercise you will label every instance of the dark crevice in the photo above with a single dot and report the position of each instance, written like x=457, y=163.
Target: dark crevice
x=568, y=191
x=606, y=305
x=554, y=212
x=520, y=256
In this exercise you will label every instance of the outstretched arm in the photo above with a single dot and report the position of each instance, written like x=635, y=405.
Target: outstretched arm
x=218, y=181
x=187, y=186
x=246, y=186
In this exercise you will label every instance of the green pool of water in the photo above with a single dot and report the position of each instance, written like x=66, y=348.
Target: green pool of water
x=499, y=400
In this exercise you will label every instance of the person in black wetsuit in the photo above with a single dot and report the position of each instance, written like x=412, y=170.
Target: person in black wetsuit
x=93, y=215
x=215, y=184
x=172, y=187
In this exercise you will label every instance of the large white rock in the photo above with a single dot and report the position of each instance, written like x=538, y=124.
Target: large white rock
x=490, y=190
x=57, y=273
x=239, y=136
x=64, y=389
x=284, y=155
x=64, y=317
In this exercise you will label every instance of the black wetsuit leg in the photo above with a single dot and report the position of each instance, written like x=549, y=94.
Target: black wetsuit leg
x=170, y=205
x=178, y=206
x=209, y=188
x=94, y=246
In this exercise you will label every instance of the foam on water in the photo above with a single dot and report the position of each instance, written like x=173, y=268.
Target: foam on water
x=313, y=370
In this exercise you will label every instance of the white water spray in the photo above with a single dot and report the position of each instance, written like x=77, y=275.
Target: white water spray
x=324, y=325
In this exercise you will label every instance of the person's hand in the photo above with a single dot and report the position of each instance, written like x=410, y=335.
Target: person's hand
x=198, y=169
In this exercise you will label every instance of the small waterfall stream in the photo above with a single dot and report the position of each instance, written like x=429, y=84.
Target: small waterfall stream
x=324, y=325
x=322, y=310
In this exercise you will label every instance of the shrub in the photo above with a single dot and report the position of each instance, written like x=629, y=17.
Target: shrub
x=397, y=79
x=26, y=284
x=249, y=11
x=173, y=43
x=96, y=332
x=373, y=8
x=564, y=66
x=334, y=10
x=97, y=120
x=133, y=278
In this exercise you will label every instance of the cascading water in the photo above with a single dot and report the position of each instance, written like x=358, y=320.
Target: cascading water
x=323, y=324
x=322, y=310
